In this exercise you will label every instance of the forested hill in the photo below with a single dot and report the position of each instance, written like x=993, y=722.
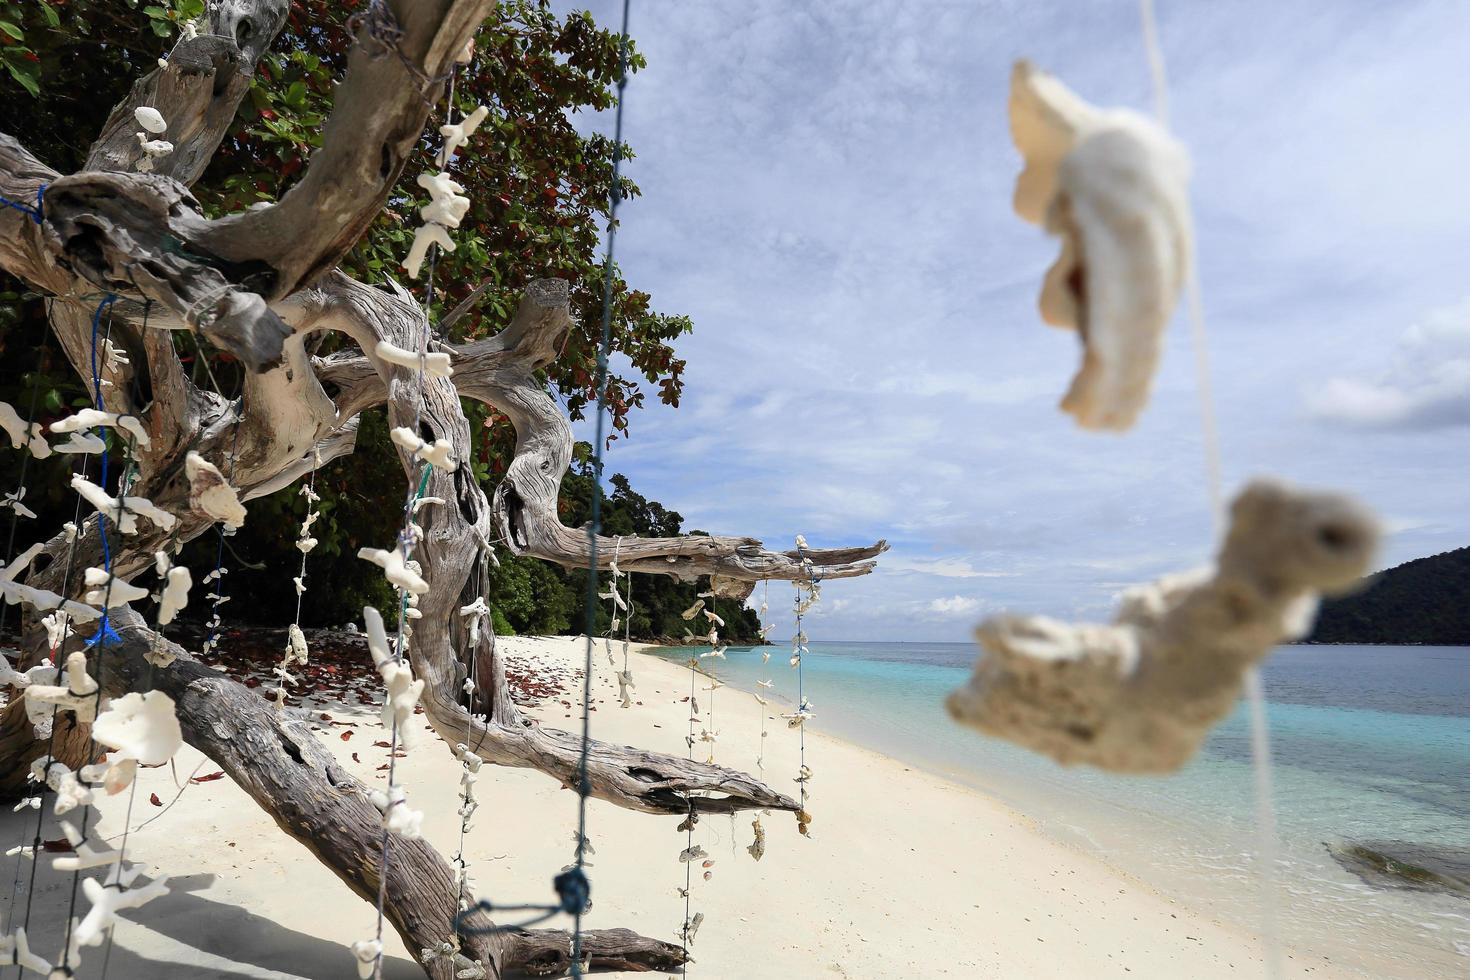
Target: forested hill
x=528, y=595
x=1422, y=601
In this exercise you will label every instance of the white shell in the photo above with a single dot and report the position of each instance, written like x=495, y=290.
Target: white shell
x=150, y=119
x=211, y=493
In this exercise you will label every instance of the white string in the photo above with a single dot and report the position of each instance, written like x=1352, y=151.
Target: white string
x=1266, y=842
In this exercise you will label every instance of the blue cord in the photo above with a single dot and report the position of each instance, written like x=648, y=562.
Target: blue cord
x=105, y=633
x=35, y=212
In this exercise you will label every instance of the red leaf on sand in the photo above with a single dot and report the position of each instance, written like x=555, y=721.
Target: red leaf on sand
x=355, y=758
x=153, y=798
x=381, y=745
x=346, y=735
x=208, y=777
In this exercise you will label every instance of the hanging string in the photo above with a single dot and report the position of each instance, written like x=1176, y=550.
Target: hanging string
x=766, y=685
x=159, y=629
x=105, y=634
x=690, y=819
x=20, y=484
x=812, y=585
x=578, y=888
x=64, y=621
x=1266, y=843
x=407, y=540
x=571, y=885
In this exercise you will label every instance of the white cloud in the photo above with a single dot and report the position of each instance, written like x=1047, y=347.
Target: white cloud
x=942, y=567
x=957, y=605
x=868, y=362
x=1427, y=385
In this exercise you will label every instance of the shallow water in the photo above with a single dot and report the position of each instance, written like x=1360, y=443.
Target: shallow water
x=1369, y=743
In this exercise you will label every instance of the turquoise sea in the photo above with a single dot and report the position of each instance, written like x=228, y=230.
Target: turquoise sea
x=1369, y=743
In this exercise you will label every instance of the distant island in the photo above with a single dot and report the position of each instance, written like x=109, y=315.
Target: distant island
x=1424, y=601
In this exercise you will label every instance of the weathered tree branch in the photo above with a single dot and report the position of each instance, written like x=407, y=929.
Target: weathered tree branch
x=197, y=93
x=501, y=372
x=455, y=544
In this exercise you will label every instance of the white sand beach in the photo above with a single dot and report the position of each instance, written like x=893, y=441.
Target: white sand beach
x=906, y=875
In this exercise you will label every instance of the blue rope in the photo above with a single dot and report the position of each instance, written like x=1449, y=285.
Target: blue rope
x=105, y=634
x=573, y=890
x=575, y=882
x=35, y=213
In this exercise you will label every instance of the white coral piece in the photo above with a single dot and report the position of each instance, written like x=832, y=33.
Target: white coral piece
x=92, y=418
x=108, y=588
x=125, y=512
x=395, y=569
x=457, y=134
x=175, y=595
x=423, y=237
x=397, y=816
x=436, y=363
x=439, y=453
x=144, y=727
x=17, y=949
x=152, y=150
x=366, y=953
x=22, y=433
x=1141, y=694
x=1112, y=185
x=109, y=896
x=402, y=691
x=447, y=203
x=79, y=694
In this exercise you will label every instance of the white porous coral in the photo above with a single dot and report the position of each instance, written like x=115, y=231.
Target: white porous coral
x=175, y=594
x=1112, y=185
x=1140, y=694
x=457, y=134
x=365, y=953
x=397, y=817
x=92, y=418
x=22, y=433
x=109, y=896
x=125, y=511
x=109, y=589
x=79, y=694
x=402, y=575
x=401, y=690
x=143, y=727
x=436, y=363
x=439, y=453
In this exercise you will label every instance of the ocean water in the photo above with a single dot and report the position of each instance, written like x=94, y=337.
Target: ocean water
x=1369, y=743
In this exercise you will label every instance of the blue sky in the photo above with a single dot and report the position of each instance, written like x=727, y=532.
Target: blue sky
x=827, y=193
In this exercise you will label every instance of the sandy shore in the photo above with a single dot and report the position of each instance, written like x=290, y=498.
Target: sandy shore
x=906, y=875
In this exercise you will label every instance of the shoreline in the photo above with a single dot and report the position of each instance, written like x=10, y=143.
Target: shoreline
x=906, y=874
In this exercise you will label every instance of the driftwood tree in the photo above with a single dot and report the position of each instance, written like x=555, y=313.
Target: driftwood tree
x=257, y=284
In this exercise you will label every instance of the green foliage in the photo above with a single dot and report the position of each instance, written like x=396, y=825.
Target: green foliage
x=539, y=189
x=1421, y=601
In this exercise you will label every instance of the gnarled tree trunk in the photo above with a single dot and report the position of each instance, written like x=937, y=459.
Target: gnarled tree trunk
x=257, y=284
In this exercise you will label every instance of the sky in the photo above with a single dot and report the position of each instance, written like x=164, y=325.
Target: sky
x=826, y=192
